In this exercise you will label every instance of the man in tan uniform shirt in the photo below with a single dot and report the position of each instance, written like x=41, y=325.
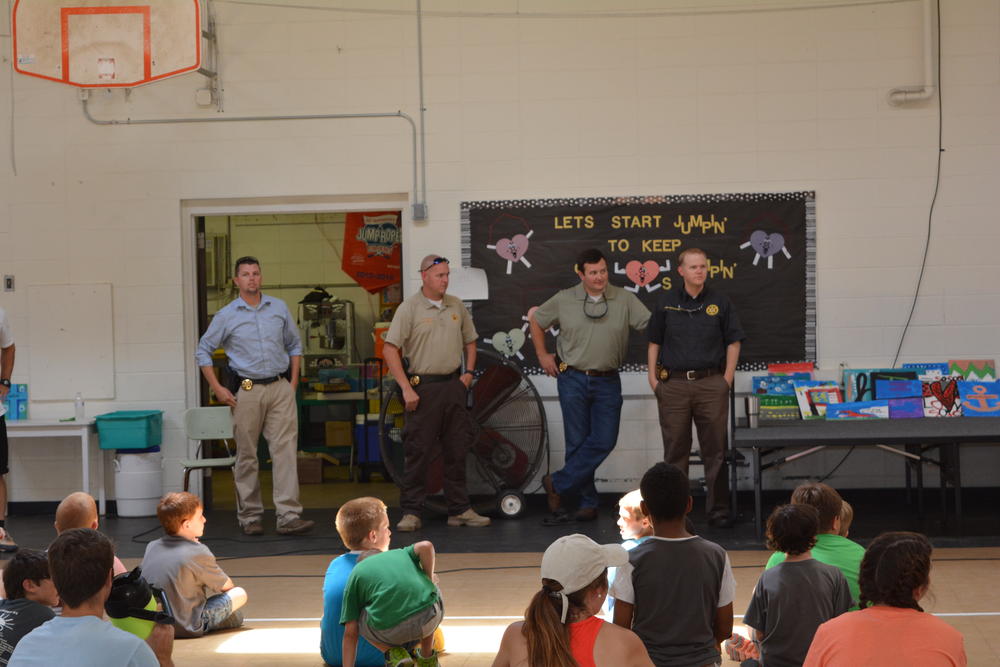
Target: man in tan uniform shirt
x=594, y=319
x=433, y=330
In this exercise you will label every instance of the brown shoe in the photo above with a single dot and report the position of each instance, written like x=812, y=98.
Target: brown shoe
x=550, y=491
x=253, y=528
x=586, y=514
x=296, y=526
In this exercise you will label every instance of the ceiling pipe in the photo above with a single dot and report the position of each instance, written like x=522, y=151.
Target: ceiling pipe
x=906, y=94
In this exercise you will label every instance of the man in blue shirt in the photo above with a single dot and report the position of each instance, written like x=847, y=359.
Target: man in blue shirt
x=264, y=351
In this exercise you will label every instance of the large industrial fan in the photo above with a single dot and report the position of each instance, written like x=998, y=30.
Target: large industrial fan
x=509, y=441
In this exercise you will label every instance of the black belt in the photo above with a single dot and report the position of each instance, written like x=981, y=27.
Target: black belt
x=693, y=374
x=248, y=383
x=423, y=378
x=563, y=367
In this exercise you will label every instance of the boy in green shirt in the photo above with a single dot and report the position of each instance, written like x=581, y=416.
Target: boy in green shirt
x=392, y=600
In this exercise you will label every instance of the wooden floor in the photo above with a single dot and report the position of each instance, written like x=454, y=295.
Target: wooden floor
x=484, y=592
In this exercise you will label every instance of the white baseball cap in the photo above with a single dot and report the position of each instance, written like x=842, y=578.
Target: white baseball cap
x=576, y=560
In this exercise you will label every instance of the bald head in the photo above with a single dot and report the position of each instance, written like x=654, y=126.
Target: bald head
x=77, y=510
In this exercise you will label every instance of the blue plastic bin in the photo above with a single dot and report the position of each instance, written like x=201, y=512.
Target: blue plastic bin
x=130, y=429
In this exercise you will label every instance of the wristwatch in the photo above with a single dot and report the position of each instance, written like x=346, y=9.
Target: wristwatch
x=5, y=382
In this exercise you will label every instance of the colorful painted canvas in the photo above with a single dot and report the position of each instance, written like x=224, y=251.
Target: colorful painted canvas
x=980, y=399
x=977, y=370
x=791, y=368
x=941, y=398
x=821, y=397
x=858, y=385
x=929, y=370
x=898, y=389
x=777, y=384
x=802, y=393
x=779, y=407
x=906, y=408
x=858, y=410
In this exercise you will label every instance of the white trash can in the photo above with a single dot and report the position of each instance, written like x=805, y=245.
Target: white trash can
x=138, y=483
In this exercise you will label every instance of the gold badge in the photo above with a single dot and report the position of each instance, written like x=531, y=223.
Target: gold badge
x=712, y=310
x=454, y=317
x=563, y=366
x=663, y=374
x=414, y=380
x=247, y=384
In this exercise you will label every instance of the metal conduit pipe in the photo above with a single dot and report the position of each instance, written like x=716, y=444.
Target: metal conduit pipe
x=902, y=95
x=419, y=206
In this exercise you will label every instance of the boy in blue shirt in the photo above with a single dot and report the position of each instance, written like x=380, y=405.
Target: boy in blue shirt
x=363, y=525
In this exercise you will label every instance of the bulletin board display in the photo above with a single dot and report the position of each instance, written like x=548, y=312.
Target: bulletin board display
x=761, y=250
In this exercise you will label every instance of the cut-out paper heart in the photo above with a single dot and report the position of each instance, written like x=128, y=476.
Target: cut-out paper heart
x=767, y=244
x=513, y=249
x=508, y=343
x=642, y=273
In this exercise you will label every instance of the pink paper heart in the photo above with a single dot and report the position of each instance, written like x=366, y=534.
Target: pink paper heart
x=642, y=273
x=513, y=249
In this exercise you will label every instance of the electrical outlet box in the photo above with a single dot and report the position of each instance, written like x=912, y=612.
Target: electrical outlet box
x=8, y=283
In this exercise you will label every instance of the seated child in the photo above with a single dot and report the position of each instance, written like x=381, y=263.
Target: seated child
x=846, y=518
x=793, y=598
x=677, y=590
x=79, y=510
x=831, y=548
x=202, y=598
x=634, y=527
x=392, y=600
x=363, y=525
x=30, y=598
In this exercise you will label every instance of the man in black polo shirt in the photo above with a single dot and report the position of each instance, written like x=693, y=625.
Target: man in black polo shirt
x=694, y=344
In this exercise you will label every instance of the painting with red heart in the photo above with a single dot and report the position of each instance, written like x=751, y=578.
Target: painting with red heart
x=941, y=398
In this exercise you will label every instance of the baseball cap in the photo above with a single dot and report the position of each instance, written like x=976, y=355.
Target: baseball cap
x=576, y=560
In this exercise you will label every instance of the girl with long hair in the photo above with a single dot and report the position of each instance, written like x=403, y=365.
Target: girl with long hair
x=560, y=628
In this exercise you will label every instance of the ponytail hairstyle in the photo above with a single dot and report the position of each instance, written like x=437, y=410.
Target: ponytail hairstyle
x=547, y=636
x=895, y=565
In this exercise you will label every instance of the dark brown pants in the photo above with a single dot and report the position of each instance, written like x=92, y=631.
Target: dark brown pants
x=440, y=427
x=706, y=402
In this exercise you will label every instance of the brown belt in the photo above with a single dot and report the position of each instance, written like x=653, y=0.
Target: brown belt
x=694, y=374
x=596, y=374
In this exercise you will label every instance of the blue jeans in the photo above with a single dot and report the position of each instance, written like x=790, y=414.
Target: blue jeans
x=591, y=410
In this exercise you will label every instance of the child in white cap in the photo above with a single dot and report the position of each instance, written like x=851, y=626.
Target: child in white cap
x=560, y=628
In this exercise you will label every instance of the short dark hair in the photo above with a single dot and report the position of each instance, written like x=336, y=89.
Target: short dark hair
x=665, y=490
x=895, y=564
x=80, y=561
x=246, y=259
x=792, y=529
x=176, y=508
x=26, y=564
x=589, y=256
x=824, y=498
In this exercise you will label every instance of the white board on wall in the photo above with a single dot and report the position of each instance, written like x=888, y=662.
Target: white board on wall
x=70, y=342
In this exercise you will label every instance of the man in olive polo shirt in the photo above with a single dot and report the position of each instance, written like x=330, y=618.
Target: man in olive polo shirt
x=694, y=344
x=433, y=330
x=594, y=319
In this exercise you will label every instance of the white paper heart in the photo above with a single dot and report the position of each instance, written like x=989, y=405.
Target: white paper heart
x=508, y=343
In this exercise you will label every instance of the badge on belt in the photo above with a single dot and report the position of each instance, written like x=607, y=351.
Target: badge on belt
x=247, y=384
x=563, y=366
x=663, y=374
x=414, y=380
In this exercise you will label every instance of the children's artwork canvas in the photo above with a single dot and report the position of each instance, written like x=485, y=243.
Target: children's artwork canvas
x=777, y=384
x=941, y=398
x=898, y=389
x=806, y=367
x=820, y=397
x=858, y=410
x=927, y=371
x=779, y=407
x=906, y=408
x=980, y=399
x=858, y=383
x=977, y=370
x=807, y=391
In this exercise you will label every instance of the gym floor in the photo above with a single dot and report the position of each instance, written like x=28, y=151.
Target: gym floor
x=488, y=575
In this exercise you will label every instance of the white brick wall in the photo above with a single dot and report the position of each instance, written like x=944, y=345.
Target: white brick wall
x=531, y=108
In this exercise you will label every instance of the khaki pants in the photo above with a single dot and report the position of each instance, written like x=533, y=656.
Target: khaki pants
x=706, y=402
x=267, y=409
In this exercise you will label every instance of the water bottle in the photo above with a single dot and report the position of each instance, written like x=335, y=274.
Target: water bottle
x=78, y=407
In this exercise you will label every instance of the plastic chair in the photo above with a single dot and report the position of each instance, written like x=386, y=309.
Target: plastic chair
x=212, y=423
